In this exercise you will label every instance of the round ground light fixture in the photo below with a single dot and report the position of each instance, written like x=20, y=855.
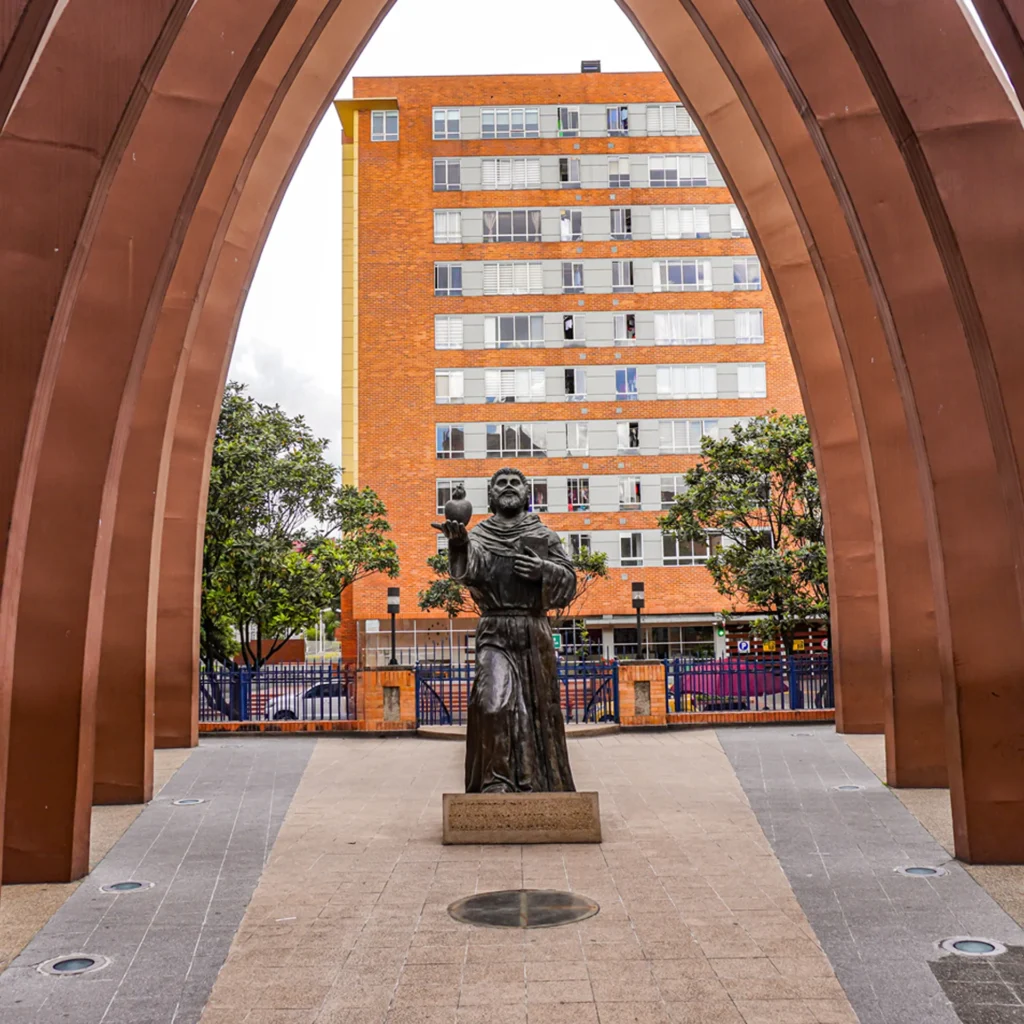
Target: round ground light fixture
x=971, y=945
x=848, y=787
x=523, y=908
x=74, y=963
x=119, y=887
x=801, y=734
x=921, y=871
x=189, y=801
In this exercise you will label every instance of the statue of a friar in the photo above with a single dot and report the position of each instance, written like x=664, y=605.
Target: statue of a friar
x=516, y=569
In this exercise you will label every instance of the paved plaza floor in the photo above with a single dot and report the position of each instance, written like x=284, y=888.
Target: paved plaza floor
x=737, y=885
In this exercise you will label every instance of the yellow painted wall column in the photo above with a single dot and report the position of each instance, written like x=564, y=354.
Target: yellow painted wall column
x=350, y=302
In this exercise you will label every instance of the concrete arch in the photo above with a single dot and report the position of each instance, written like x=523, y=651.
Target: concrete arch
x=887, y=275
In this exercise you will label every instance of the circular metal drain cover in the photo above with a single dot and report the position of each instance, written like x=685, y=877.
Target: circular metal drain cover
x=523, y=908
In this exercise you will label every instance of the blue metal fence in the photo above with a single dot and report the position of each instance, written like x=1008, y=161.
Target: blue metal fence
x=749, y=684
x=590, y=692
x=316, y=691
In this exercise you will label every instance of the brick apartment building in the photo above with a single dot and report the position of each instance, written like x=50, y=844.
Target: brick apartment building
x=547, y=271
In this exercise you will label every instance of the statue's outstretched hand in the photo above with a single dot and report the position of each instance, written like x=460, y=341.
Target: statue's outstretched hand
x=455, y=531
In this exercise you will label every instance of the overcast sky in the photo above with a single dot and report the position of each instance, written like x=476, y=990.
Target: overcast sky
x=288, y=346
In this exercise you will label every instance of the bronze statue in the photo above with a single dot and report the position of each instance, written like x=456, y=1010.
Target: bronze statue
x=516, y=569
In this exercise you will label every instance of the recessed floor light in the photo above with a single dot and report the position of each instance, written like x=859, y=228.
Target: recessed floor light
x=523, y=908
x=848, y=787
x=970, y=945
x=116, y=887
x=189, y=801
x=74, y=963
x=921, y=872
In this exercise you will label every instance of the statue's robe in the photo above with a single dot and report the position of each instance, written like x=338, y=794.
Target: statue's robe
x=515, y=741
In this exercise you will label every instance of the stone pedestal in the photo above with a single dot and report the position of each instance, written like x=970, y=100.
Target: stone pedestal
x=485, y=818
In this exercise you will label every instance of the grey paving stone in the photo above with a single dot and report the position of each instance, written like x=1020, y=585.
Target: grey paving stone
x=167, y=944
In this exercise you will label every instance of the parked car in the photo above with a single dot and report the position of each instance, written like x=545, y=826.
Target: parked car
x=323, y=702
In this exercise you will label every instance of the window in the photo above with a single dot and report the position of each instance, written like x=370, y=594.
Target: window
x=568, y=122
x=516, y=440
x=628, y=435
x=514, y=330
x=631, y=549
x=681, y=275
x=575, y=385
x=447, y=278
x=749, y=327
x=444, y=492
x=576, y=439
x=750, y=381
x=513, y=279
x=451, y=441
x=569, y=171
x=571, y=224
x=678, y=171
x=572, y=278
x=691, y=381
x=448, y=332
x=618, y=120
x=669, y=119
x=510, y=123
x=538, y=494
x=573, y=328
x=384, y=126
x=577, y=542
x=736, y=225
x=447, y=123
x=665, y=642
x=684, y=436
x=625, y=383
x=746, y=274
x=618, y=172
x=622, y=223
x=679, y=551
x=624, y=328
x=447, y=175
x=511, y=225
x=510, y=172
x=523, y=385
x=447, y=226
x=695, y=327
x=629, y=492
x=448, y=386
x=670, y=487
x=680, y=222
x=622, y=275
x=578, y=491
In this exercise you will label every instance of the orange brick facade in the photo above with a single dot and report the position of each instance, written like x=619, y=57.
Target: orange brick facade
x=396, y=308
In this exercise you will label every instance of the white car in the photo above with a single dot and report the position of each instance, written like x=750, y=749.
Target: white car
x=323, y=702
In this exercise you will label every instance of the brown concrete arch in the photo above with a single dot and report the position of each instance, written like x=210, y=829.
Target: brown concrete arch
x=849, y=158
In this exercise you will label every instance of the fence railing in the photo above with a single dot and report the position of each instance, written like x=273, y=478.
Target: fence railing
x=749, y=684
x=589, y=692
x=317, y=691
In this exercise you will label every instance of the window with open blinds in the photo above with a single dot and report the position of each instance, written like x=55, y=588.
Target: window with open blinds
x=513, y=278
x=689, y=327
x=447, y=332
x=521, y=385
x=510, y=172
x=691, y=381
x=669, y=119
x=680, y=222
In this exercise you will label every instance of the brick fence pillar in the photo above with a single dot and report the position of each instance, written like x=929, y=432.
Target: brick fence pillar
x=642, y=693
x=386, y=699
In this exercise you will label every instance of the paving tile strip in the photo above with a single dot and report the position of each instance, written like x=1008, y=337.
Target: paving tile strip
x=839, y=850
x=165, y=944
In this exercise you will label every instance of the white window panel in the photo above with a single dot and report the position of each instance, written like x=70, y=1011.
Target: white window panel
x=678, y=171
x=670, y=487
x=447, y=332
x=746, y=274
x=568, y=122
x=575, y=385
x=684, y=437
x=577, y=489
x=384, y=126
x=510, y=172
x=669, y=119
x=513, y=278
x=574, y=327
x=631, y=549
x=516, y=440
x=681, y=275
x=569, y=171
x=618, y=120
x=689, y=381
x=447, y=175
x=736, y=225
x=538, y=493
x=622, y=275
x=749, y=327
x=447, y=226
x=571, y=226
x=514, y=330
x=618, y=172
x=447, y=123
x=448, y=386
x=621, y=223
x=511, y=225
x=680, y=222
x=522, y=385
x=510, y=123
x=624, y=328
x=577, y=441
x=751, y=380
x=684, y=327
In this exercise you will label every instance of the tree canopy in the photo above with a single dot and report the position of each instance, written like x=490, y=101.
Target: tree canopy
x=283, y=537
x=754, y=499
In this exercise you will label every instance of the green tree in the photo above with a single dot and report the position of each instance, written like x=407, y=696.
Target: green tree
x=755, y=499
x=283, y=538
x=444, y=593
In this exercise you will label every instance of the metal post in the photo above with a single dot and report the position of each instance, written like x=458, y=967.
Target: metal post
x=638, y=603
x=393, y=604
